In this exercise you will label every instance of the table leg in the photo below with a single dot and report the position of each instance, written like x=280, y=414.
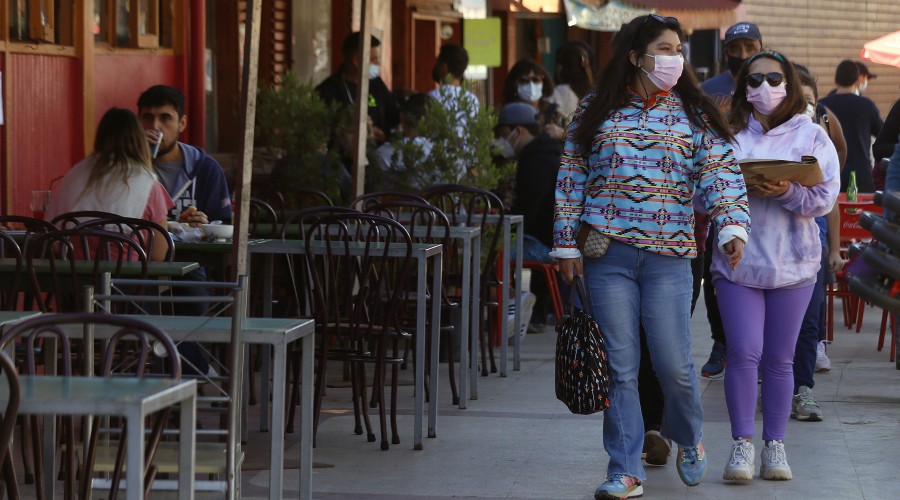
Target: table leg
x=503, y=313
x=435, y=344
x=276, y=469
x=475, y=328
x=48, y=446
x=263, y=399
x=306, y=418
x=420, y=352
x=134, y=476
x=187, y=448
x=520, y=252
x=464, y=323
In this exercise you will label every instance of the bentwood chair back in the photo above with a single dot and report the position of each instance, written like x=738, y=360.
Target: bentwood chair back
x=78, y=257
x=364, y=202
x=145, y=232
x=472, y=206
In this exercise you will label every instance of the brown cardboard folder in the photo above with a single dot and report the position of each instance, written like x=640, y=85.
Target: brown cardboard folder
x=805, y=172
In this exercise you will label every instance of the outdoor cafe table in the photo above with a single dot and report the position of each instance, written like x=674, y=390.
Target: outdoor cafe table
x=131, y=398
x=275, y=332
x=422, y=252
x=155, y=269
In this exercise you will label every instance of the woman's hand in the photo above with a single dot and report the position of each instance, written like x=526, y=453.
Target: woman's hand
x=734, y=249
x=769, y=190
x=835, y=262
x=569, y=267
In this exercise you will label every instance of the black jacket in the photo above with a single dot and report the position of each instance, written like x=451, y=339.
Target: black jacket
x=536, y=186
x=383, y=108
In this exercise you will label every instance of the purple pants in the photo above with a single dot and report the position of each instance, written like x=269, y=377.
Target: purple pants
x=761, y=328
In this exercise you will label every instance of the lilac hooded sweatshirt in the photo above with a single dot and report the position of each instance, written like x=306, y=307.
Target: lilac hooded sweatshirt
x=784, y=250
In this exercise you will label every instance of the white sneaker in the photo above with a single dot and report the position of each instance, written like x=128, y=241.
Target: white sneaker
x=823, y=364
x=774, y=465
x=528, y=301
x=740, y=466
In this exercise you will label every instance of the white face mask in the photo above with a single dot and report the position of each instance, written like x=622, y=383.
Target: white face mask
x=374, y=71
x=765, y=98
x=531, y=91
x=666, y=70
x=862, y=87
x=811, y=111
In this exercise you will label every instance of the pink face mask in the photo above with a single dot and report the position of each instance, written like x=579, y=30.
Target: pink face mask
x=666, y=70
x=765, y=98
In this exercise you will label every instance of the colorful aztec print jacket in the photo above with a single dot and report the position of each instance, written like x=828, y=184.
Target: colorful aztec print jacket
x=637, y=183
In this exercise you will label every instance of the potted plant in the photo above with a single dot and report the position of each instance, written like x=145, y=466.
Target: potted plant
x=300, y=136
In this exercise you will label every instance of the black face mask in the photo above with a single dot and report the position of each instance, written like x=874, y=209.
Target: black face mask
x=735, y=64
x=435, y=75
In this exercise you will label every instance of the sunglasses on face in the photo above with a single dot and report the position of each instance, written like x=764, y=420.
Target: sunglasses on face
x=754, y=80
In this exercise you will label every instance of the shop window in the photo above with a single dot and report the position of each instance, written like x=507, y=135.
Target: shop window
x=145, y=24
x=41, y=21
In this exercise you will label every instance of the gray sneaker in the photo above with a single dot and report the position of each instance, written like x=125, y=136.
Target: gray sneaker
x=804, y=406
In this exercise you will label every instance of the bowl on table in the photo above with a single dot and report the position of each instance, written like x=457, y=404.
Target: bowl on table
x=218, y=231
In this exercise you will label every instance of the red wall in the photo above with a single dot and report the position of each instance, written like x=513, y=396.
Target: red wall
x=43, y=117
x=120, y=79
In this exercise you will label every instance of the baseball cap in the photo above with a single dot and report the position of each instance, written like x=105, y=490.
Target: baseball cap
x=517, y=113
x=742, y=30
x=864, y=71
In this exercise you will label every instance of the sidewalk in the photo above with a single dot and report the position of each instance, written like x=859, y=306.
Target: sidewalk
x=517, y=441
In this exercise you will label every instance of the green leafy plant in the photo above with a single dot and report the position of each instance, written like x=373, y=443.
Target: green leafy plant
x=302, y=136
x=459, y=133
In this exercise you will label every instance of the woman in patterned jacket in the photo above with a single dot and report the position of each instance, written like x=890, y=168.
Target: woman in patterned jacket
x=637, y=149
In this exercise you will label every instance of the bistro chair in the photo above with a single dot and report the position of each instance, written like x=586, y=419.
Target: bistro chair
x=30, y=226
x=298, y=304
x=78, y=257
x=263, y=221
x=428, y=224
x=9, y=295
x=359, y=265
x=51, y=347
x=474, y=206
x=7, y=425
x=144, y=231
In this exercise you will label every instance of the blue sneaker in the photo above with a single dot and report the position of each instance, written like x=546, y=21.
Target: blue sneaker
x=691, y=465
x=620, y=486
x=715, y=366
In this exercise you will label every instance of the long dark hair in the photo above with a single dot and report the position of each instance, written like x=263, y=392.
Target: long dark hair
x=612, y=86
x=522, y=68
x=793, y=103
x=574, y=66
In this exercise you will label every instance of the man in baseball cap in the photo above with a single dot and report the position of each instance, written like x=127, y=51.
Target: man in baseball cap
x=864, y=76
x=741, y=41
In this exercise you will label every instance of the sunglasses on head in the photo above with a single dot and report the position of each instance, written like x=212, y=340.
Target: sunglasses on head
x=754, y=80
x=660, y=19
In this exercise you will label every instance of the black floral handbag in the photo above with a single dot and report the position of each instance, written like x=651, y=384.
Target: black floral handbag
x=582, y=368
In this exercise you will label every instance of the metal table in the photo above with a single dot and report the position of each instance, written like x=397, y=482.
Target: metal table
x=510, y=220
x=275, y=332
x=131, y=398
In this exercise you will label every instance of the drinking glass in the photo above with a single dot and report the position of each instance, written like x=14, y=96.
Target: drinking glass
x=40, y=202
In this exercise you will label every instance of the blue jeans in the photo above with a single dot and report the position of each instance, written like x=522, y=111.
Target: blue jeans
x=631, y=287
x=811, y=331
